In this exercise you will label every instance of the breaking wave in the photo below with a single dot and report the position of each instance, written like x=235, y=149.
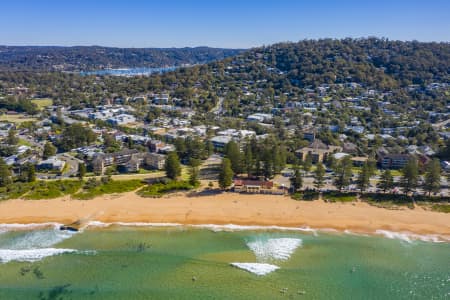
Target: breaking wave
x=411, y=237
x=234, y=227
x=256, y=268
x=131, y=224
x=36, y=239
x=29, y=226
x=32, y=242
x=274, y=248
x=30, y=255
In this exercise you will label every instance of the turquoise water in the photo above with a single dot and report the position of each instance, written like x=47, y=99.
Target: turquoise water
x=129, y=71
x=121, y=262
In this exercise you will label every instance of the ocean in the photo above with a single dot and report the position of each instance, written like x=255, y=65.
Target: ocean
x=140, y=261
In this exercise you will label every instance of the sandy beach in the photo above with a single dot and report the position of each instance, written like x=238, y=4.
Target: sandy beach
x=226, y=208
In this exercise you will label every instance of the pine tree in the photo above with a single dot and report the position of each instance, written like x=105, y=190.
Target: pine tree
x=12, y=138
x=248, y=160
x=319, y=176
x=296, y=180
x=343, y=173
x=194, y=171
x=81, y=170
x=226, y=174
x=386, y=181
x=410, y=176
x=432, y=182
x=5, y=173
x=233, y=153
x=307, y=164
x=364, y=177
x=31, y=176
x=173, y=167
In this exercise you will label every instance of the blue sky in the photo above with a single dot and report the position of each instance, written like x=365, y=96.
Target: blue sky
x=217, y=23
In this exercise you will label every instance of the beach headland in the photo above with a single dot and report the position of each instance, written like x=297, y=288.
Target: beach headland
x=227, y=208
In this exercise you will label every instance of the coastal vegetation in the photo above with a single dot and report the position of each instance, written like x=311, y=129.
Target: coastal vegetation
x=52, y=189
x=93, y=188
x=335, y=196
x=160, y=189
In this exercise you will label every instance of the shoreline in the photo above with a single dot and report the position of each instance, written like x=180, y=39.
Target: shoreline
x=252, y=211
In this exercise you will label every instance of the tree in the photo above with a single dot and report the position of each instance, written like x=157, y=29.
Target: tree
x=319, y=176
x=5, y=173
x=110, y=143
x=307, y=164
x=226, y=174
x=296, y=180
x=31, y=176
x=76, y=135
x=248, y=162
x=233, y=153
x=364, y=177
x=386, y=181
x=12, y=138
x=49, y=150
x=410, y=176
x=432, y=182
x=343, y=173
x=81, y=170
x=173, y=167
x=194, y=171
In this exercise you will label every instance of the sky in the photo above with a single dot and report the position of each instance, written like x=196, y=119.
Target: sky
x=217, y=23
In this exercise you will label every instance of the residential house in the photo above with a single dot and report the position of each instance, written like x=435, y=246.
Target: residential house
x=219, y=142
x=318, y=151
x=256, y=187
x=52, y=164
x=155, y=161
x=125, y=159
x=393, y=161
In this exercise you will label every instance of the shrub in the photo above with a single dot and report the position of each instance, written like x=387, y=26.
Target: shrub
x=159, y=189
x=306, y=195
x=335, y=196
x=108, y=186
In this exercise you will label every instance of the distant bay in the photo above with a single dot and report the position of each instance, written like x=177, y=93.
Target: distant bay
x=129, y=71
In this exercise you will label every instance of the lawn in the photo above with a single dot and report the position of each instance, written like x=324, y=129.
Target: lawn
x=42, y=103
x=17, y=118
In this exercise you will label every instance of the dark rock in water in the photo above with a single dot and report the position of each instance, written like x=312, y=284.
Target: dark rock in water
x=68, y=228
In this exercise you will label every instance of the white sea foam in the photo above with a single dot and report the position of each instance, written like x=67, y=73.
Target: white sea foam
x=29, y=226
x=30, y=255
x=234, y=227
x=274, y=248
x=410, y=237
x=349, y=232
x=32, y=242
x=256, y=268
x=34, y=239
x=131, y=224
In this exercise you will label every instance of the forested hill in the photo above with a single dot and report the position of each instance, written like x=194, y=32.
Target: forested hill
x=372, y=62
x=264, y=74
x=50, y=58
